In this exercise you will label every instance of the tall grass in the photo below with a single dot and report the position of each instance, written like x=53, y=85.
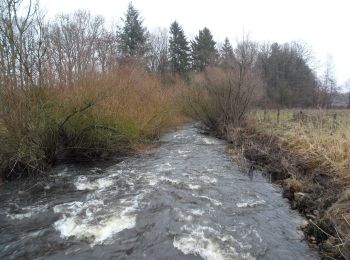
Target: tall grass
x=96, y=116
x=322, y=136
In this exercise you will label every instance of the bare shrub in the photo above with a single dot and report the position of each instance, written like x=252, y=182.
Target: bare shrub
x=220, y=97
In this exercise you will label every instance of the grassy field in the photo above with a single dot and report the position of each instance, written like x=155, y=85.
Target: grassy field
x=308, y=151
x=323, y=136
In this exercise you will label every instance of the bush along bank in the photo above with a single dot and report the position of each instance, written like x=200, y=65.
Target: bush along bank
x=99, y=116
x=312, y=189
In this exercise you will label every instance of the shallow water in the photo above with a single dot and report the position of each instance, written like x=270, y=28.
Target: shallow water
x=183, y=200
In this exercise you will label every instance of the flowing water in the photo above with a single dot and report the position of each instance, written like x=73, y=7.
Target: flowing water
x=183, y=200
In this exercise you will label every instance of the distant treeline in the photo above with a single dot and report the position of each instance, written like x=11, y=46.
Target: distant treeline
x=38, y=52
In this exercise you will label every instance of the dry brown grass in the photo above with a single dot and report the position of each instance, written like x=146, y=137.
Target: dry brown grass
x=317, y=135
x=321, y=139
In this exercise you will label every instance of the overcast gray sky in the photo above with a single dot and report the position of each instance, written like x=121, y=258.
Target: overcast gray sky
x=322, y=24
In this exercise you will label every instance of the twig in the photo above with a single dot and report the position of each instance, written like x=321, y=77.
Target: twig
x=74, y=113
x=104, y=127
x=346, y=220
x=321, y=229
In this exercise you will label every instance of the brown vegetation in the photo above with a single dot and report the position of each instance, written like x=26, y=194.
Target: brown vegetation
x=99, y=115
x=221, y=97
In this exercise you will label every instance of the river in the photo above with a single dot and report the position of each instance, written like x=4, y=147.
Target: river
x=183, y=200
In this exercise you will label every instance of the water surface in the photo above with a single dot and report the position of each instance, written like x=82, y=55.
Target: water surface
x=183, y=200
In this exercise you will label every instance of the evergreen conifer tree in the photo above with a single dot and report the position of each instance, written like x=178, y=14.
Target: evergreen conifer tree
x=226, y=55
x=133, y=35
x=204, y=52
x=178, y=50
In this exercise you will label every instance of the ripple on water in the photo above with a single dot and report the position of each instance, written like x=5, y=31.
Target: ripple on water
x=26, y=212
x=165, y=167
x=213, y=201
x=250, y=203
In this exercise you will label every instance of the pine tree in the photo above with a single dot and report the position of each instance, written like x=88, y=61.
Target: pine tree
x=226, y=55
x=204, y=52
x=178, y=50
x=133, y=35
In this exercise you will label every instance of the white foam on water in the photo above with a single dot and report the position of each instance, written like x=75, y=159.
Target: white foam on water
x=83, y=183
x=94, y=221
x=197, y=244
x=250, y=203
x=209, y=141
x=27, y=212
x=149, y=177
x=256, y=233
x=116, y=173
x=172, y=181
x=185, y=218
x=189, y=215
x=179, y=135
x=165, y=167
x=72, y=227
x=194, y=186
x=63, y=173
x=208, y=179
x=183, y=153
x=214, y=201
x=208, y=243
x=152, y=181
x=20, y=216
x=197, y=212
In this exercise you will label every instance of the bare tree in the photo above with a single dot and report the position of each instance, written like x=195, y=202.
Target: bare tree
x=328, y=86
x=79, y=45
x=347, y=88
x=107, y=51
x=21, y=33
x=158, y=54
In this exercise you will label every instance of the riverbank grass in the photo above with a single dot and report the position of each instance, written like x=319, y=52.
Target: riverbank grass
x=308, y=151
x=321, y=136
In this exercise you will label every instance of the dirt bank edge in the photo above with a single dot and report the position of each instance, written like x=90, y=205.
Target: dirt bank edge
x=321, y=197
